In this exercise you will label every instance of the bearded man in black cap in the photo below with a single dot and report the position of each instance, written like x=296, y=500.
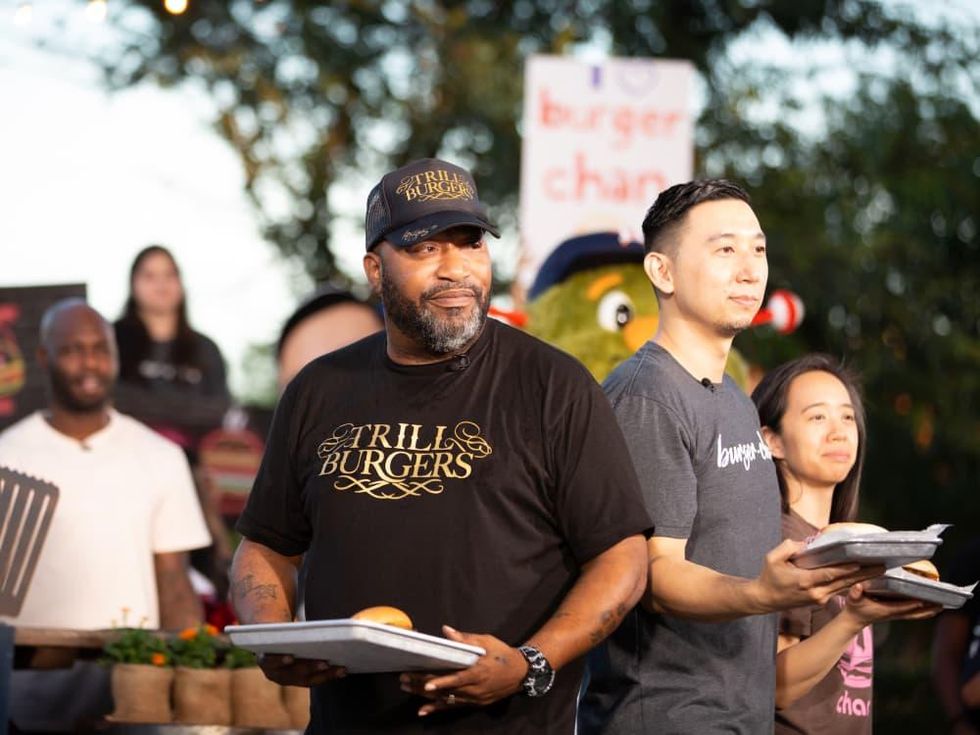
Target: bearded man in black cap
x=452, y=467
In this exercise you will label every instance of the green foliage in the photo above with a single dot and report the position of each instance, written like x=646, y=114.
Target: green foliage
x=137, y=646
x=315, y=93
x=197, y=648
x=239, y=658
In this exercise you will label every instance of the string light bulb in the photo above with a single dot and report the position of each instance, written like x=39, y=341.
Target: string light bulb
x=175, y=7
x=97, y=10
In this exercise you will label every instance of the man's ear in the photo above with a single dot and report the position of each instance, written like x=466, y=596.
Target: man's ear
x=658, y=266
x=774, y=442
x=372, y=269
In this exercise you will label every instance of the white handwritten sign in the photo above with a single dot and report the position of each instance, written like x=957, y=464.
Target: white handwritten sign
x=601, y=140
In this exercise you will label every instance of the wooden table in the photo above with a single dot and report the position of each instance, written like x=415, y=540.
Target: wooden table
x=57, y=648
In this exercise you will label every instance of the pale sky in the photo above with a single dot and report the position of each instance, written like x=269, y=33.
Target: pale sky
x=87, y=179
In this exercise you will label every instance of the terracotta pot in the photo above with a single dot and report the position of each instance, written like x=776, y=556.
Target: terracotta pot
x=141, y=693
x=297, y=700
x=202, y=696
x=256, y=701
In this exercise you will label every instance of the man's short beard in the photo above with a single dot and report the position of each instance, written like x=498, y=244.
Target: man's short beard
x=438, y=336
x=732, y=329
x=62, y=394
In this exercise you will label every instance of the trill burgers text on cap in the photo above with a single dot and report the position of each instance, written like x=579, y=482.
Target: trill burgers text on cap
x=418, y=200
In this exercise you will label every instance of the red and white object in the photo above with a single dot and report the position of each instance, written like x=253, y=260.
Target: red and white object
x=784, y=312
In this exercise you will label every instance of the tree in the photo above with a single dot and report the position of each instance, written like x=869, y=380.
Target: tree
x=310, y=94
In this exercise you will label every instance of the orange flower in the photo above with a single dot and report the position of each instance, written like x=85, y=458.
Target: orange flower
x=187, y=634
x=210, y=629
x=158, y=659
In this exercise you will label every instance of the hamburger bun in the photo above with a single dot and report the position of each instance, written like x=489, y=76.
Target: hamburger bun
x=385, y=615
x=853, y=529
x=923, y=568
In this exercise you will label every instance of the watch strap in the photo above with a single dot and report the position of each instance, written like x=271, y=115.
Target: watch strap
x=540, y=676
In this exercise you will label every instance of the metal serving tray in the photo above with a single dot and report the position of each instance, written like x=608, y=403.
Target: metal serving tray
x=889, y=548
x=359, y=645
x=897, y=583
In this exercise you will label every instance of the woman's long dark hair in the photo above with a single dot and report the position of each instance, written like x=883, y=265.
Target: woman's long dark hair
x=770, y=398
x=134, y=341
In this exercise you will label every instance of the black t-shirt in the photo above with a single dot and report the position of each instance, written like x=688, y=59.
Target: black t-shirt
x=182, y=401
x=468, y=492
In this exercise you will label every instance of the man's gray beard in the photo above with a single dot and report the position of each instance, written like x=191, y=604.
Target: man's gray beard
x=437, y=337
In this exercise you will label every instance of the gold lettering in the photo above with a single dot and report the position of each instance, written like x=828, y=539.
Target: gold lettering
x=400, y=442
x=402, y=471
x=421, y=466
x=461, y=462
x=437, y=442
x=380, y=436
x=441, y=462
x=329, y=465
x=344, y=470
x=372, y=462
x=413, y=444
x=356, y=435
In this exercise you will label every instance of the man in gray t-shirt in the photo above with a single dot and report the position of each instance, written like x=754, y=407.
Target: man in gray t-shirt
x=698, y=654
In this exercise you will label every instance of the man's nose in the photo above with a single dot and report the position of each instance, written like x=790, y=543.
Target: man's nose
x=452, y=264
x=91, y=358
x=751, y=268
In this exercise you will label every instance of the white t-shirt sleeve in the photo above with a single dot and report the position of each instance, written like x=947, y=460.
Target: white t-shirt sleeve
x=178, y=523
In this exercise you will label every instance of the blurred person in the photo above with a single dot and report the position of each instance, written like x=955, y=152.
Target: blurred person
x=330, y=319
x=698, y=654
x=455, y=468
x=813, y=422
x=172, y=378
x=127, y=514
x=956, y=650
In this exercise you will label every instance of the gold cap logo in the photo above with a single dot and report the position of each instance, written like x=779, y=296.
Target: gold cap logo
x=435, y=185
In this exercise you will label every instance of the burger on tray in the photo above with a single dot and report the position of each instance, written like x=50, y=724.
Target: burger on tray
x=868, y=545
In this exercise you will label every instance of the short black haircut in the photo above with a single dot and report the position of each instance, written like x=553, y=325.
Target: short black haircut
x=668, y=211
x=323, y=298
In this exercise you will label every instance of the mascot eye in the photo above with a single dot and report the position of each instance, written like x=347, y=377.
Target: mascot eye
x=615, y=311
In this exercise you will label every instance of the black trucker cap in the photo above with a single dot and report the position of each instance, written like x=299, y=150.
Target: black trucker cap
x=420, y=199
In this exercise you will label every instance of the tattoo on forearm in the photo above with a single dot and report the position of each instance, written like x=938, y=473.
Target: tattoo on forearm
x=609, y=620
x=241, y=588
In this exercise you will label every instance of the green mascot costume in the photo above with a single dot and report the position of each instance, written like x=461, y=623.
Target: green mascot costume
x=592, y=299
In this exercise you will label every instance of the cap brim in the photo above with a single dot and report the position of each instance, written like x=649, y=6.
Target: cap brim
x=425, y=227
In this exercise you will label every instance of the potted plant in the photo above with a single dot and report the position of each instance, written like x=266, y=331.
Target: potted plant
x=141, y=676
x=297, y=701
x=202, y=692
x=255, y=700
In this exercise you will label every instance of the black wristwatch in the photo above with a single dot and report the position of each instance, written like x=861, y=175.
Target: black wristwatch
x=540, y=676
